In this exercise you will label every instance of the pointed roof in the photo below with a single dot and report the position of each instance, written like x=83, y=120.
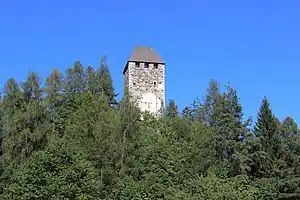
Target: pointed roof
x=145, y=54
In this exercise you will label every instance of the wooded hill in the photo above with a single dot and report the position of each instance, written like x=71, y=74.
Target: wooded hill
x=70, y=139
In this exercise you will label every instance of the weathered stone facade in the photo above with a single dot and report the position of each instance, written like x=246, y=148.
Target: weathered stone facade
x=146, y=82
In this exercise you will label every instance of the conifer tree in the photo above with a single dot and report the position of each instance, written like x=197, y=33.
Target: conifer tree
x=172, y=109
x=12, y=97
x=12, y=105
x=75, y=82
x=54, y=86
x=211, y=104
x=27, y=129
x=54, y=99
x=93, y=81
x=229, y=127
x=74, y=85
x=106, y=83
x=194, y=112
x=289, y=127
x=32, y=90
x=266, y=128
x=265, y=149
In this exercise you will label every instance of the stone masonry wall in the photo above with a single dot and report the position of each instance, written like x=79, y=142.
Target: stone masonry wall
x=146, y=78
x=126, y=79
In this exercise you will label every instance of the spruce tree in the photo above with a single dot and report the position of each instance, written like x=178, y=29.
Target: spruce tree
x=229, y=127
x=194, y=112
x=289, y=127
x=12, y=98
x=55, y=100
x=32, y=90
x=27, y=128
x=54, y=86
x=172, y=109
x=75, y=82
x=106, y=83
x=211, y=104
x=93, y=81
x=74, y=85
x=266, y=128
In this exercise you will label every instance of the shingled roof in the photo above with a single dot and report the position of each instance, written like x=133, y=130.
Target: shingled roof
x=144, y=54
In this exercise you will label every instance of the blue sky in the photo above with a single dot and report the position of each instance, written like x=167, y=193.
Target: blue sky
x=254, y=45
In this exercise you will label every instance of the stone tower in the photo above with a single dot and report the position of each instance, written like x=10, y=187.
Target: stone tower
x=144, y=78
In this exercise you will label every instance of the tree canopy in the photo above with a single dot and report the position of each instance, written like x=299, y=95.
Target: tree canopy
x=69, y=138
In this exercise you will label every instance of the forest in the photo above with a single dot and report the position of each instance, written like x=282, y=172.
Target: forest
x=70, y=138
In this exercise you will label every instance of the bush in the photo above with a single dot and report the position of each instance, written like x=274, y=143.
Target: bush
x=61, y=171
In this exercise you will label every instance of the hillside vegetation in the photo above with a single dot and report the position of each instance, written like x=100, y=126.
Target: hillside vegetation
x=70, y=139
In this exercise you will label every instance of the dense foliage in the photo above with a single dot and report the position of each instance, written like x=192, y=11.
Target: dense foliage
x=71, y=139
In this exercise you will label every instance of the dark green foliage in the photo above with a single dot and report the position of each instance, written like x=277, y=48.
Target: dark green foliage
x=59, y=172
x=266, y=147
x=92, y=80
x=106, y=83
x=172, y=109
x=211, y=104
x=267, y=130
x=289, y=127
x=194, y=112
x=75, y=80
x=71, y=140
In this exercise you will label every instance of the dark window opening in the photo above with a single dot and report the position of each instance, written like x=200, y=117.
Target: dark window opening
x=146, y=65
x=154, y=82
x=155, y=66
x=137, y=64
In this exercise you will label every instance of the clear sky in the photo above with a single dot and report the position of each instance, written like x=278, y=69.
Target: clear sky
x=253, y=44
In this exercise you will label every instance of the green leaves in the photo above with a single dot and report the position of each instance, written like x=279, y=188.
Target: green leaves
x=71, y=140
x=61, y=171
x=106, y=83
x=172, y=109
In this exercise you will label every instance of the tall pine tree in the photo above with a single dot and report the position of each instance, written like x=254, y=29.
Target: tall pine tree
x=106, y=83
x=211, y=104
x=172, y=109
x=267, y=129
